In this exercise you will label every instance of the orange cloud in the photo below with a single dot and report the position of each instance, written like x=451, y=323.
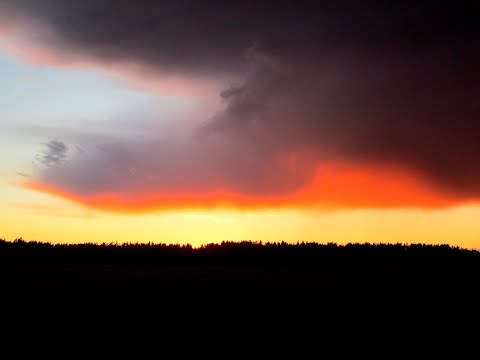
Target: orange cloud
x=335, y=186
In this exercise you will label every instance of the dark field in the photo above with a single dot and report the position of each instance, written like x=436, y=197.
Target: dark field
x=248, y=283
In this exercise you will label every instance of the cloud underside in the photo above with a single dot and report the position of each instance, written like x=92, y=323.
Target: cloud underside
x=371, y=88
x=333, y=187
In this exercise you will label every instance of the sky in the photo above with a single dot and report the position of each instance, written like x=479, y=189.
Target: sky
x=204, y=121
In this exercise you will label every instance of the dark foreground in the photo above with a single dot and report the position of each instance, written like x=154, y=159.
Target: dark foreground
x=244, y=284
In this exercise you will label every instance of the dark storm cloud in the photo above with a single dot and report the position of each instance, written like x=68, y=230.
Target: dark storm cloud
x=212, y=35
x=374, y=81
x=184, y=35
x=418, y=110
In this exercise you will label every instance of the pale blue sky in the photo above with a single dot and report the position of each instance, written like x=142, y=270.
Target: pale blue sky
x=37, y=103
x=43, y=95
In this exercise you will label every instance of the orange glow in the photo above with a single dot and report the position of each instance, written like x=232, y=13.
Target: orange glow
x=333, y=187
x=342, y=186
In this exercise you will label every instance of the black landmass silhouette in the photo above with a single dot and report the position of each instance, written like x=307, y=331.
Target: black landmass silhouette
x=279, y=285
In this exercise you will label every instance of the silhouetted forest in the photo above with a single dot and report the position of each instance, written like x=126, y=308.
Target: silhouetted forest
x=233, y=282
x=229, y=253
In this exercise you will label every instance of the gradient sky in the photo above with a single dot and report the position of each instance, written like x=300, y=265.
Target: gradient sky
x=202, y=121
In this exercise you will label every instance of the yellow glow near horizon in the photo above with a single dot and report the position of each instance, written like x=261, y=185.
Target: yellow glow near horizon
x=41, y=217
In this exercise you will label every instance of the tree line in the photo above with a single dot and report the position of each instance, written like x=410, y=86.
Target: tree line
x=246, y=252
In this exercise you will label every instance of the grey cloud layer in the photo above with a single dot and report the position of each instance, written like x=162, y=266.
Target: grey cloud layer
x=366, y=82
x=176, y=165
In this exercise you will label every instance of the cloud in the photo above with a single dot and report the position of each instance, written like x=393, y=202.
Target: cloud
x=54, y=154
x=172, y=163
x=416, y=110
x=212, y=35
x=380, y=85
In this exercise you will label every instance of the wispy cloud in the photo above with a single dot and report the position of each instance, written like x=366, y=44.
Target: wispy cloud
x=55, y=153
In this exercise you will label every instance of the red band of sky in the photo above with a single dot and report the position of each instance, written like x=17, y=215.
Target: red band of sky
x=334, y=187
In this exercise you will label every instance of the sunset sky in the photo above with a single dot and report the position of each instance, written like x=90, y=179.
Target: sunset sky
x=201, y=121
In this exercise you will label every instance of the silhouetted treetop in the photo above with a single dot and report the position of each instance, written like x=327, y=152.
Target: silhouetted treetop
x=235, y=253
